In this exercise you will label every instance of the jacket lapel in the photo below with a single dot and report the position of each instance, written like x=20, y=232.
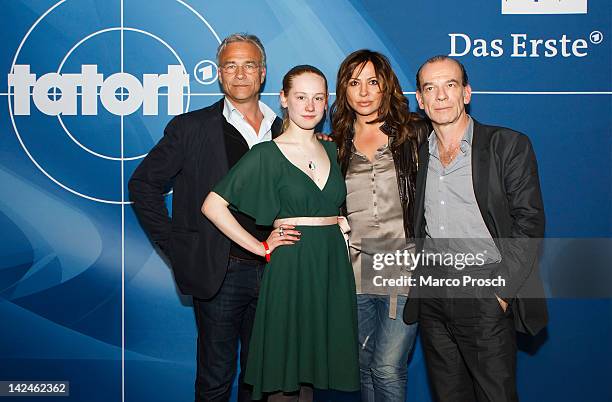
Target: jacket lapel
x=480, y=169
x=216, y=141
x=277, y=126
x=419, y=210
x=213, y=129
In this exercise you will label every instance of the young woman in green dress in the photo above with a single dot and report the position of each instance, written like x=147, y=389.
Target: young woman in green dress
x=305, y=331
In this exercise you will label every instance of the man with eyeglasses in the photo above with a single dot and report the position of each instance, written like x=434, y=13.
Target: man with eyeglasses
x=197, y=150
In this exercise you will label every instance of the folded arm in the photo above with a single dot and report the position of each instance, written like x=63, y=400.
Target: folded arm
x=150, y=180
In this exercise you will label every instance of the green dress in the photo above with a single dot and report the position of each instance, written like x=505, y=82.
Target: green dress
x=305, y=328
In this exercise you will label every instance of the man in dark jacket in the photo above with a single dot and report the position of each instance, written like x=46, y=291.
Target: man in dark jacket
x=197, y=150
x=479, y=183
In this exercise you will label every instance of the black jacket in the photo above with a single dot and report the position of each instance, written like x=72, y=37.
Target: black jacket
x=192, y=158
x=507, y=189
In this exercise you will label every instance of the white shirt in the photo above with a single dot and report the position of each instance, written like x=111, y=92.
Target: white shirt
x=236, y=119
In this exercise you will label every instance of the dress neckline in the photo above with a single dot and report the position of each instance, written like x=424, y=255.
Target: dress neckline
x=302, y=172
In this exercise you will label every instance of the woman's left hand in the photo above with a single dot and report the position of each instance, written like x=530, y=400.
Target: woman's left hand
x=324, y=137
x=284, y=235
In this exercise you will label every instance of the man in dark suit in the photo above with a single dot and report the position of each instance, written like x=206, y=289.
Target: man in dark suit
x=197, y=150
x=479, y=183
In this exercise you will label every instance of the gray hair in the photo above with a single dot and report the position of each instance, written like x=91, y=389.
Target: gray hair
x=243, y=37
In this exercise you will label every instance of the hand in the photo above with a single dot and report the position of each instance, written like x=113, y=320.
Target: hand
x=324, y=137
x=502, y=303
x=290, y=236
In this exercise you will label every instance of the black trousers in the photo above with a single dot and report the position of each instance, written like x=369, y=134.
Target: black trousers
x=469, y=345
x=224, y=322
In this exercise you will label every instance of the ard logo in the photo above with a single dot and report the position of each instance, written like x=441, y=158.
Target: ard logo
x=544, y=6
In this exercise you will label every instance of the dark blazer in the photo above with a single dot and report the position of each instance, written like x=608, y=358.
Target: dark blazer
x=507, y=189
x=192, y=158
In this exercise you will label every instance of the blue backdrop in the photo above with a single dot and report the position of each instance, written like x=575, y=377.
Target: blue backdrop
x=83, y=296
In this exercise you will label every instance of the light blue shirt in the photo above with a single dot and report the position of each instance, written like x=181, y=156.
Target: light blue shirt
x=451, y=210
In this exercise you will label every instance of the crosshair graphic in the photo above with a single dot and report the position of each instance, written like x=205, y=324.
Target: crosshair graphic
x=121, y=95
x=54, y=94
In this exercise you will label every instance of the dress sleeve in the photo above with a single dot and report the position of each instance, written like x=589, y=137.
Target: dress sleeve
x=251, y=186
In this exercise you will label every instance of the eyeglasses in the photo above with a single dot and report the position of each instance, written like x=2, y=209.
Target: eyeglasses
x=248, y=68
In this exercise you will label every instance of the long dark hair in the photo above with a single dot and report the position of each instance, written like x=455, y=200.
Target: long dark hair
x=393, y=111
x=288, y=82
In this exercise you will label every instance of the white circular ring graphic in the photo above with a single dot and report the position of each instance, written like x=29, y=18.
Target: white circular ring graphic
x=16, y=130
x=79, y=43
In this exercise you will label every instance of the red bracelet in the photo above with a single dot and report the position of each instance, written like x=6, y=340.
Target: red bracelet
x=267, y=248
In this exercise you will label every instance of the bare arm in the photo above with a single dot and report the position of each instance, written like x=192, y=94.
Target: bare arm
x=215, y=208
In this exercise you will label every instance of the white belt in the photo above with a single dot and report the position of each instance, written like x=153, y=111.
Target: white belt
x=316, y=221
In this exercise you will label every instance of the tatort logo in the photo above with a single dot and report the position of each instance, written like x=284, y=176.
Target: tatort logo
x=88, y=104
x=121, y=94
x=523, y=45
x=544, y=6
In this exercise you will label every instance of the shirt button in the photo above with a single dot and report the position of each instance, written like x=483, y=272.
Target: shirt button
x=441, y=227
x=442, y=202
x=441, y=177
